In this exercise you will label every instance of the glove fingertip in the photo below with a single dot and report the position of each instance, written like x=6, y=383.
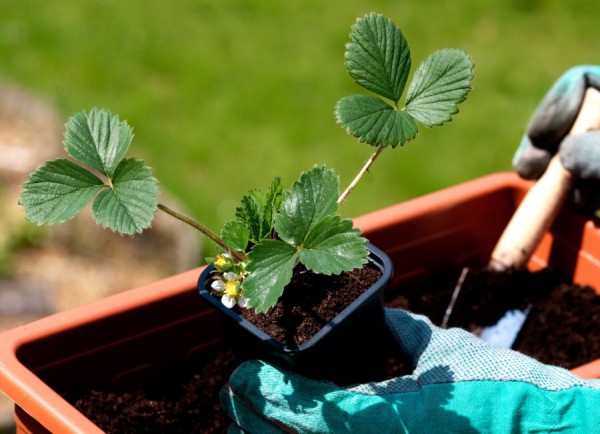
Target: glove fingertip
x=413, y=332
x=580, y=154
x=530, y=162
x=558, y=110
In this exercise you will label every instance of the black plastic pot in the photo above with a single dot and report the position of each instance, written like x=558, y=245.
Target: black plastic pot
x=342, y=350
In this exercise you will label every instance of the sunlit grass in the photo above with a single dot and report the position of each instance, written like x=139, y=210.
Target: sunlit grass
x=225, y=95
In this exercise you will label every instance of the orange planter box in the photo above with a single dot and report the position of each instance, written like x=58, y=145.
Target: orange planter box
x=144, y=332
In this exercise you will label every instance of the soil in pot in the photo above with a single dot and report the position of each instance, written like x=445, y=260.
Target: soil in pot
x=563, y=325
x=309, y=302
x=183, y=403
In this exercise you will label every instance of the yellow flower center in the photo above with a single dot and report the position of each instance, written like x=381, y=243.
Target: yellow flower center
x=231, y=288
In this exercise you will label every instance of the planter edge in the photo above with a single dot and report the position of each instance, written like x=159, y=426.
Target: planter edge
x=28, y=391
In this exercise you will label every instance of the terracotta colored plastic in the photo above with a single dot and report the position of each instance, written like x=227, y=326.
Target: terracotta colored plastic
x=135, y=336
x=121, y=340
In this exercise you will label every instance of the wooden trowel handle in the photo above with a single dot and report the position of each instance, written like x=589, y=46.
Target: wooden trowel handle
x=543, y=201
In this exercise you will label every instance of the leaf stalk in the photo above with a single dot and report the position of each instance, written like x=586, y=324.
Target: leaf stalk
x=360, y=174
x=205, y=231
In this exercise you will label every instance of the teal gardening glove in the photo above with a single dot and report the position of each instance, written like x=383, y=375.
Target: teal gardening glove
x=460, y=384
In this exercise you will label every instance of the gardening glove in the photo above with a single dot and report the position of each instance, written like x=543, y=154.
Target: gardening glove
x=548, y=133
x=459, y=384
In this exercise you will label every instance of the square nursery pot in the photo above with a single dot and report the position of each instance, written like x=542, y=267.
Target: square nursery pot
x=351, y=335
x=140, y=335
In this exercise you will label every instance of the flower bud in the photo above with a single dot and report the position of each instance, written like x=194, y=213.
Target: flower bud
x=223, y=262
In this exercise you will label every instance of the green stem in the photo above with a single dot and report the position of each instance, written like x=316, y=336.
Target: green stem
x=207, y=232
x=360, y=174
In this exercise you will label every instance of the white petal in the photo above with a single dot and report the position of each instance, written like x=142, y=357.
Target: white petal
x=230, y=275
x=243, y=302
x=218, y=285
x=228, y=301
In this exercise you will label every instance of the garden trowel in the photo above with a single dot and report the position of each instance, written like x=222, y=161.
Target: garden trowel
x=538, y=209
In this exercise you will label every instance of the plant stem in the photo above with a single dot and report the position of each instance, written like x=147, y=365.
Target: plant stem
x=207, y=232
x=360, y=174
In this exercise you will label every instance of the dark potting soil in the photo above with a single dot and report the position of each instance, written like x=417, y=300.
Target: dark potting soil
x=563, y=325
x=187, y=403
x=560, y=311
x=308, y=303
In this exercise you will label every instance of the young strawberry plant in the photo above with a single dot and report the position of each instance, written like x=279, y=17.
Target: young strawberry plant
x=276, y=230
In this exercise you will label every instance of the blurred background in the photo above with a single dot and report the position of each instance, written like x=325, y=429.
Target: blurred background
x=225, y=95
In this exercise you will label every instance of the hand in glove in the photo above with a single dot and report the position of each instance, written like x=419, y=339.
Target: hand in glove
x=459, y=384
x=548, y=133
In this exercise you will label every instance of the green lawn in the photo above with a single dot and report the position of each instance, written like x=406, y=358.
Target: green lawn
x=224, y=95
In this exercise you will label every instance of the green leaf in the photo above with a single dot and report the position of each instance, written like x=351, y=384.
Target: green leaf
x=236, y=235
x=440, y=83
x=258, y=210
x=373, y=121
x=128, y=206
x=311, y=198
x=273, y=198
x=378, y=57
x=249, y=213
x=57, y=191
x=98, y=139
x=311, y=232
x=333, y=246
x=271, y=263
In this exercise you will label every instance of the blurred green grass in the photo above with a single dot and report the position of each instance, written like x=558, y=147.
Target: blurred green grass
x=225, y=95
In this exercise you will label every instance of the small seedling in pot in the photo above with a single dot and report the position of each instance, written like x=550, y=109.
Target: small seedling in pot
x=276, y=229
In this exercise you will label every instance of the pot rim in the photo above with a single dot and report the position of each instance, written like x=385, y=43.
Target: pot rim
x=376, y=257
